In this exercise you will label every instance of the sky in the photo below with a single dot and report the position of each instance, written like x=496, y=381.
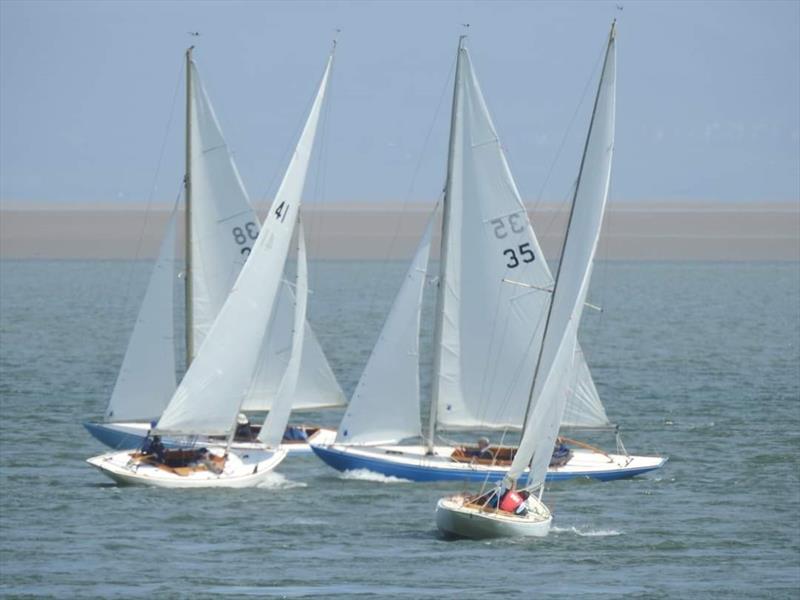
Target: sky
x=91, y=96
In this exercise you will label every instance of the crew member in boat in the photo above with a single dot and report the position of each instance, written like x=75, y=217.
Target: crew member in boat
x=244, y=432
x=483, y=450
x=505, y=499
x=154, y=447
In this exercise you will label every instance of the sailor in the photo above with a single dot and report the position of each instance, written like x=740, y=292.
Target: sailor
x=483, y=450
x=243, y=430
x=153, y=446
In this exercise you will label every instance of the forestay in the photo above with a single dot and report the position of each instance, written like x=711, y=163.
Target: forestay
x=214, y=387
x=146, y=379
x=385, y=405
x=496, y=279
x=551, y=386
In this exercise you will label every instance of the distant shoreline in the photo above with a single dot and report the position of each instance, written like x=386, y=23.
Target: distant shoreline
x=379, y=231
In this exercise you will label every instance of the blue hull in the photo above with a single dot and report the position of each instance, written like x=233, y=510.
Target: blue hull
x=113, y=438
x=342, y=461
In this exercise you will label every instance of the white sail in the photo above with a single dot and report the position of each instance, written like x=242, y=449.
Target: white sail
x=583, y=408
x=496, y=278
x=385, y=405
x=224, y=227
x=274, y=426
x=223, y=224
x=317, y=386
x=146, y=380
x=556, y=362
x=209, y=397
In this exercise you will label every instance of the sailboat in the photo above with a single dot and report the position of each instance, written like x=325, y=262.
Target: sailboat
x=221, y=227
x=509, y=510
x=494, y=292
x=210, y=396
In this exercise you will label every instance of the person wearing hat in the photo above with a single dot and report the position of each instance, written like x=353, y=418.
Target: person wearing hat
x=244, y=432
x=154, y=447
x=483, y=451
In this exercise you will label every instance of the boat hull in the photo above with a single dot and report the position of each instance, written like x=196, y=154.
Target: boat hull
x=411, y=462
x=457, y=519
x=239, y=472
x=131, y=434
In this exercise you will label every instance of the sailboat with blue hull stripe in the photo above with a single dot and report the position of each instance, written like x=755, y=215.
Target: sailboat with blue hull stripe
x=494, y=292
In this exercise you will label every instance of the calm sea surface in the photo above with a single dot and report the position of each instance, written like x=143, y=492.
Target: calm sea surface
x=697, y=361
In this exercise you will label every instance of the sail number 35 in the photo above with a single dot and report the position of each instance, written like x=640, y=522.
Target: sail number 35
x=523, y=252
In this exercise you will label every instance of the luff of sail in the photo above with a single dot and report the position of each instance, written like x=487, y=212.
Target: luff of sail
x=209, y=397
x=151, y=347
x=385, y=404
x=274, y=426
x=550, y=388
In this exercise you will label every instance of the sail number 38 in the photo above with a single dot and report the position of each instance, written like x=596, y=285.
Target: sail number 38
x=243, y=235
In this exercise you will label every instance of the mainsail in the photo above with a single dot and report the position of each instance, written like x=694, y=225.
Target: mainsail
x=551, y=384
x=214, y=387
x=223, y=224
x=151, y=347
x=496, y=282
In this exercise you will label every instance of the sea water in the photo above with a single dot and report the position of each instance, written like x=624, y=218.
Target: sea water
x=696, y=361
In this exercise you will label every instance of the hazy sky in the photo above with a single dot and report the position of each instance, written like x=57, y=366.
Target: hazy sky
x=708, y=95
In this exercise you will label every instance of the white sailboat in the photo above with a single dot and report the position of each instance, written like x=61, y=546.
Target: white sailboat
x=216, y=384
x=506, y=510
x=221, y=227
x=490, y=320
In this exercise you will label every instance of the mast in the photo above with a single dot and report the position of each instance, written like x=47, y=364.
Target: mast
x=567, y=232
x=187, y=183
x=437, y=334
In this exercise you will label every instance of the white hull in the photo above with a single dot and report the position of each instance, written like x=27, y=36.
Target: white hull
x=456, y=518
x=241, y=470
